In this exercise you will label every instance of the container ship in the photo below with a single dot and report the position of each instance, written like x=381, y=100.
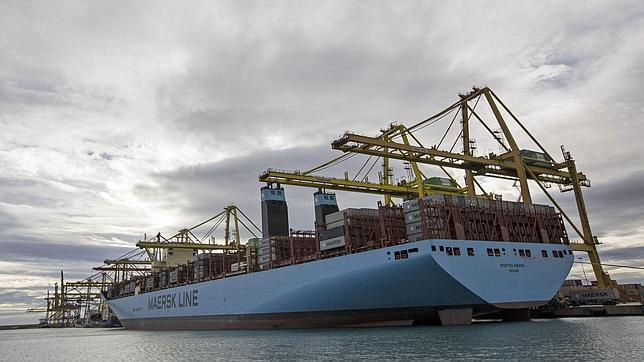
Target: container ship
x=445, y=254
x=440, y=259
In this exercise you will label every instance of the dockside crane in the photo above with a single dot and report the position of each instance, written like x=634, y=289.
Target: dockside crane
x=514, y=164
x=161, y=250
x=134, y=262
x=78, y=302
x=74, y=302
x=398, y=142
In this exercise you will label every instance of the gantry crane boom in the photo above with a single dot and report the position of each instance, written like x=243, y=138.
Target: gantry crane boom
x=116, y=268
x=501, y=165
x=185, y=239
x=405, y=189
x=126, y=261
x=184, y=245
x=296, y=178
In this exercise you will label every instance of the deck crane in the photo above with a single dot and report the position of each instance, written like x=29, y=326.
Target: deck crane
x=513, y=164
x=160, y=249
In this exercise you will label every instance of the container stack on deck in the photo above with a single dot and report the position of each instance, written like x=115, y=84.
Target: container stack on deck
x=474, y=218
x=352, y=230
x=205, y=266
x=392, y=225
x=279, y=250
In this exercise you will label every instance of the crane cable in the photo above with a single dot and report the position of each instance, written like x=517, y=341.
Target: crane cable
x=422, y=126
x=419, y=126
x=370, y=168
x=438, y=115
x=215, y=226
x=454, y=119
x=448, y=129
x=333, y=162
x=416, y=127
x=361, y=168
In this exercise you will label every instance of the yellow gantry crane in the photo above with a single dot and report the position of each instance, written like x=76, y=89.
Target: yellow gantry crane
x=404, y=189
x=74, y=302
x=134, y=262
x=161, y=250
x=77, y=302
x=521, y=166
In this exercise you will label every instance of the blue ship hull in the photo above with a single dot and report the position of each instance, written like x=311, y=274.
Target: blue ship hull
x=369, y=288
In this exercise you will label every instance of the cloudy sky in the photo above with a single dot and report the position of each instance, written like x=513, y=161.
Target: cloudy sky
x=118, y=119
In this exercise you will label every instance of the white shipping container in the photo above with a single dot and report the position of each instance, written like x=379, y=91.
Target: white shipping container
x=334, y=217
x=411, y=205
x=332, y=243
x=339, y=215
x=266, y=250
x=413, y=228
x=237, y=266
x=335, y=224
x=594, y=295
x=412, y=217
x=262, y=259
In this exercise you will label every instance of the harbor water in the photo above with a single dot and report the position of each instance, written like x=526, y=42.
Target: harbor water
x=600, y=338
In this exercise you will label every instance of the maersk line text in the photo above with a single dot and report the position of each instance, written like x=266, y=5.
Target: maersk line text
x=174, y=300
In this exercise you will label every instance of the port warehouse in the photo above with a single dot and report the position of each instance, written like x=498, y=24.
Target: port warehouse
x=453, y=217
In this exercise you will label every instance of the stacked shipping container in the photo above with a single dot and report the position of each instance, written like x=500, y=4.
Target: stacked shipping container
x=354, y=230
x=279, y=250
x=474, y=218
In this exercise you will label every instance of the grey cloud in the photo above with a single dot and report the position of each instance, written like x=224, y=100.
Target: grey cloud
x=633, y=256
x=45, y=251
x=614, y=205
x=20, y=297
x=21, y=192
